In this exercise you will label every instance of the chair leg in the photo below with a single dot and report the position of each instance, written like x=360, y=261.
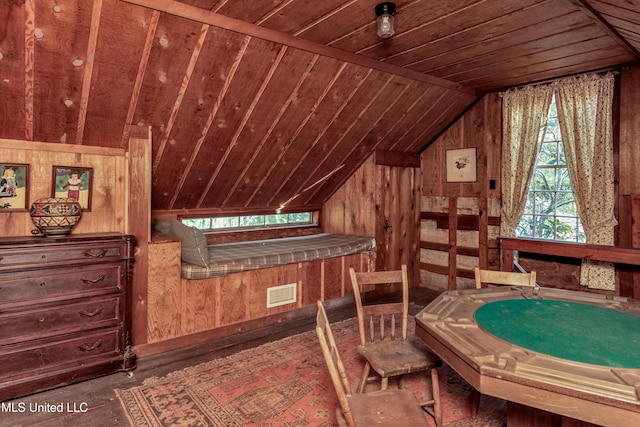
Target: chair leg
x=475, y=403
x=384, y=384
x=401, y=382
x=437, y=408
x=363, y=378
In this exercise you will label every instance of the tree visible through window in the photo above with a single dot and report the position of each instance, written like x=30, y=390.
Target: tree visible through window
x=550, y=211
x=244, y=222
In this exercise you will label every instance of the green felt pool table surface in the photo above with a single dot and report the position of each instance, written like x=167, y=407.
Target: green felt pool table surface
x=569, y=330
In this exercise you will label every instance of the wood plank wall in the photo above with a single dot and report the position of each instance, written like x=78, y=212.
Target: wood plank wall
x=108, y=202
x=352, y=209
x=481, y=127
x=184, y=312
x=381, y=199
x=459, y=222
x=629, y=175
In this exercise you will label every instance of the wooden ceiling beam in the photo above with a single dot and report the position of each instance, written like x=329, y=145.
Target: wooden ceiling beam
x=397, y=159
x=595, y=16
x=250, y=111
x=297, y=132
x=88, y=69
x=257, y=152
x=216, y=107
x=186, y=78
x=210, y=18
x=142, y=68
x=173, y=117
x=29, y=68
x=318, y=162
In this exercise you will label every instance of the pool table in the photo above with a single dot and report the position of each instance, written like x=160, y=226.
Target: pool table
x=576, y=354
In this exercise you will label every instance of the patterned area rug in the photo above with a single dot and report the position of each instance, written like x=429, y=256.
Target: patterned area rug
x=282, y=384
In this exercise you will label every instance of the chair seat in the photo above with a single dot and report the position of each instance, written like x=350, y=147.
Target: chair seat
x=387, y=408
x=392, y=357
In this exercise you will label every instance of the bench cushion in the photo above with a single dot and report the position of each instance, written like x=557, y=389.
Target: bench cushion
x=242, y=256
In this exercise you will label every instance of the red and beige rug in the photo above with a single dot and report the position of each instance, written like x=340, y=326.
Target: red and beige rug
x=284, y=383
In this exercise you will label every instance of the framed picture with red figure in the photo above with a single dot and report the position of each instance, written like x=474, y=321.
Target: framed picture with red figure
x=74, y=183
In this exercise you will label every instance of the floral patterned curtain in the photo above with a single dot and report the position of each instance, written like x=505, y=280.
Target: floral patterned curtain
x=524, y=114
x=584, y=114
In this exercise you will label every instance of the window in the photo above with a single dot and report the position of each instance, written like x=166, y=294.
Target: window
x=550, y=211
x=253, y=222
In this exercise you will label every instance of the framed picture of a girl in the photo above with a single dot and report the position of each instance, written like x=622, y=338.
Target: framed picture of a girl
x=14, y=186
x=74, y=183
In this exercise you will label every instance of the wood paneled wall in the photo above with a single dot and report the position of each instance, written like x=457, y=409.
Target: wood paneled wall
x=629, y=140
x=381, y=199
x=108, y=203
x=629, y=176
x=352, y=209
x=184, y=312
x=480, y=127
x=459, y=222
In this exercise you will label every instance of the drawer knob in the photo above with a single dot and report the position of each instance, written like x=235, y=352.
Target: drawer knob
x=41, y=320
x=91, y=347
x=91, y=313
x=95, y=254
x=99, y=279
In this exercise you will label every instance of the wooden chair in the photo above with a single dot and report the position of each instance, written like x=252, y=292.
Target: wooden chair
x=499, y=278
x=379, y=408
x=387, y=351
x=504, y=278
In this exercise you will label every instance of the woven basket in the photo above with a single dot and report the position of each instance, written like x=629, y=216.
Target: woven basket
x=55, y=216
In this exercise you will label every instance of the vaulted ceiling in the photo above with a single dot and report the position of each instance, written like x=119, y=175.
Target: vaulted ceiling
x=255, y=104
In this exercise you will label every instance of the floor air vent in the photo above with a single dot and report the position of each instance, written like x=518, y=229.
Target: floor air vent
x=281, y=295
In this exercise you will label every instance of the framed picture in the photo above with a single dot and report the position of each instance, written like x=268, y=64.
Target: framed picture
x=14, y=187
x=461, y=165
x=74, y=183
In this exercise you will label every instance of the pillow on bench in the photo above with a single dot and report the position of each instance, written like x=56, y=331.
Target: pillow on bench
x=194, y=242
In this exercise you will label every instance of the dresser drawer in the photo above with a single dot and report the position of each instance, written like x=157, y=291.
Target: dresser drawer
x=59, y=283
x=55, y=255
x=54, y=353
x=41, y=322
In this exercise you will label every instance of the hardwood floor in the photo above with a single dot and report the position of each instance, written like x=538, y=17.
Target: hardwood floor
x=95, y=400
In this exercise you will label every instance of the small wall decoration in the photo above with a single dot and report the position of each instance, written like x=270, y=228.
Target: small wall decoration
x=74, y=183
x=14, y=186
x=461, y=165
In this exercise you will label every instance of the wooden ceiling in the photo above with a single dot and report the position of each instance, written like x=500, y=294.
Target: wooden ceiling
x=258, y=104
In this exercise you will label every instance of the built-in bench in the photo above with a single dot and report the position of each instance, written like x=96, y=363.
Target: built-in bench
x=240, y=276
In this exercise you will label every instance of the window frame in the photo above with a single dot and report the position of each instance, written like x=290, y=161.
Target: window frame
x=312, y=222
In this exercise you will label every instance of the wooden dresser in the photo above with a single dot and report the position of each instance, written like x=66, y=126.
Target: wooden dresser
x=64, y=310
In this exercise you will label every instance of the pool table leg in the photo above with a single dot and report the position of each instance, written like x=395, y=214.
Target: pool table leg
x=525, y=416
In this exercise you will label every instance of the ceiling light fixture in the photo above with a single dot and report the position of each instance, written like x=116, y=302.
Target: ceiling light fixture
x=385, y=12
